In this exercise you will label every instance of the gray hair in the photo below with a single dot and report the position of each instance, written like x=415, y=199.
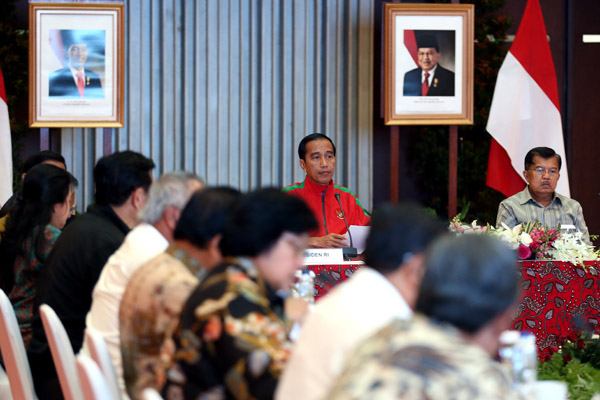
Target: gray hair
x=469, y=280
x=172, y=189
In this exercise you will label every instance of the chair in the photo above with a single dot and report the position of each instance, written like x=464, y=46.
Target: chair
x=150, y=394
x=99, y=353
x=13, y=352
x=92, y=380
x=62, y=354
x=4, y=386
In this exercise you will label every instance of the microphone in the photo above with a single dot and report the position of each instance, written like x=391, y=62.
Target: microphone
x=347, y=251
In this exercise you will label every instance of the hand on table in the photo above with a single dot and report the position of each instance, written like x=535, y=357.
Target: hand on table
x=333, y=240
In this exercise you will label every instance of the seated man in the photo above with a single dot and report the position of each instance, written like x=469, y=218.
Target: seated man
x=157, y=291
x=467, y=299
x=359, y=307
x=317, y=159
x=167, y=197
x=539, y=201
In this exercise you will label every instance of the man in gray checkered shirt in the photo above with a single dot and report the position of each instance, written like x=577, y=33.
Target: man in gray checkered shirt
x=539, y=199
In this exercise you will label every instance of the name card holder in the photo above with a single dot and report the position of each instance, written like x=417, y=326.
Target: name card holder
x=323, y=256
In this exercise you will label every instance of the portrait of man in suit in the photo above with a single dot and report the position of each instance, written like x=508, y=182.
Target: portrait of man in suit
x=74, y=80
x=430, y=78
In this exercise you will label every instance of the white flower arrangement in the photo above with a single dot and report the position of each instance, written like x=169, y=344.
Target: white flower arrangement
x=533, y=240
x=570, y=247
x=514, y=237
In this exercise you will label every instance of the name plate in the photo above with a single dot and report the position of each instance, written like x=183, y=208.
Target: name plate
x=323, y=256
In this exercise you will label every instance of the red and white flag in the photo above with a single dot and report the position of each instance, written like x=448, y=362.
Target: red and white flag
x=6, y=173
x=525, y=112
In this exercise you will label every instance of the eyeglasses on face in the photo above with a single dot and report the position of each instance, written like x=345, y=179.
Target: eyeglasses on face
x=541, y=170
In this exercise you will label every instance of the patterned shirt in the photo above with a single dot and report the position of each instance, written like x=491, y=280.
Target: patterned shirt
x=233, y=342
x=149, y=314
x=523, y=208
x=27, y=269
x=421, y=360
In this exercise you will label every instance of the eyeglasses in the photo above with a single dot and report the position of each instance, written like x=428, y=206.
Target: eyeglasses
x=541, y=170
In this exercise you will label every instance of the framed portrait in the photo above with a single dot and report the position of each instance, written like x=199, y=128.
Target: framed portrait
x=75, y=65
x=428, y=64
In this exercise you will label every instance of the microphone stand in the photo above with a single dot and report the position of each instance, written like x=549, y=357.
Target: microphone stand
x=348, y=252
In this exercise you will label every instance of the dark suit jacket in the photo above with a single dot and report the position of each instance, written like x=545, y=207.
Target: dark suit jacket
x=63, y=85
x=442, y=83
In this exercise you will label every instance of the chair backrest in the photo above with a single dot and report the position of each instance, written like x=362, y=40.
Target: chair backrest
x=5, y=393
x=92, y=380
x=13, y=352
x=150, y=394
x=62, y=353
x=100, y=354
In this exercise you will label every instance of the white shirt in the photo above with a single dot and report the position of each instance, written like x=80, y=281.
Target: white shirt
x=429, y=77
x=141, y=245
x=74, y=72
x=353, y=311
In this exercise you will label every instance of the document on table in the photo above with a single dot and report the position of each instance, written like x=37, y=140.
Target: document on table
x=359, y=237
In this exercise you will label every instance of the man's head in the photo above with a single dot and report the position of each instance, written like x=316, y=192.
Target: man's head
x=398, y=238
x=471, y=283
x=167, y=197
x=77, y=54
x=428, y=52
x=271, y=228
x=203, y=220
x=44, y=157
x=542, y=170
x=317, y=158
x=123, y=177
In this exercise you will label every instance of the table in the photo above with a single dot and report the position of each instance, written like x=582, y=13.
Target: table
x=557, y=297
x=328, y=276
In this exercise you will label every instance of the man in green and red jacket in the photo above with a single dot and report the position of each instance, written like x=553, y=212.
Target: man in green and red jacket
x=317, y=160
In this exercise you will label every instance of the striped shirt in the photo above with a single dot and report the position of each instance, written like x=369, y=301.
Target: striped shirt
x=523, y=208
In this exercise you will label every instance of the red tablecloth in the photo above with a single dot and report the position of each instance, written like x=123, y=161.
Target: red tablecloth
x=557, y=296
x=327, y=276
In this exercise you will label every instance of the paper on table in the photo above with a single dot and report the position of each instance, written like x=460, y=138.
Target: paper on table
x=359, y=237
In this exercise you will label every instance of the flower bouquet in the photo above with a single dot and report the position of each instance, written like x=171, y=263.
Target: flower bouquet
x=533, y=241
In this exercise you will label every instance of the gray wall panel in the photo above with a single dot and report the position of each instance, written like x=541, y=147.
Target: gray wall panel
x=227, y=88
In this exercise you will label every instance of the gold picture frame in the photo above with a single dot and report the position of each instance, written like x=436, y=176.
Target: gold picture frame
x=448, y=98
x=76, y=61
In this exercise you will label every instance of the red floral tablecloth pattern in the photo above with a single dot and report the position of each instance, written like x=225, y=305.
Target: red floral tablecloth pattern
x=328, y=276
x=557, y=297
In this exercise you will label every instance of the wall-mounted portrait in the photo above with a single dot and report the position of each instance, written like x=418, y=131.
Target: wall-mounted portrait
x=76, y=65
x=428, y=63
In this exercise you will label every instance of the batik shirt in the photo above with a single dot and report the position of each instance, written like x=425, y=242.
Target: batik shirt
x=233, y=342
x=27, y=269
x=420, y=359
x=149, y=313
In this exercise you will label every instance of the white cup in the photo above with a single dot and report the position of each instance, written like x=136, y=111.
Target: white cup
x=545, y=390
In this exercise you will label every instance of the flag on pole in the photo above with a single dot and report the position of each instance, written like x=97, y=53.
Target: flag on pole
x=6, y=173
x=525, y=111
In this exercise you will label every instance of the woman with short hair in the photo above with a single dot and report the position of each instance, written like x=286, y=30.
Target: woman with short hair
x=233, y=340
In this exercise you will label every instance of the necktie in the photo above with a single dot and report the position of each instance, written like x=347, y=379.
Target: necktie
x=80, y=84
x=425, y=85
